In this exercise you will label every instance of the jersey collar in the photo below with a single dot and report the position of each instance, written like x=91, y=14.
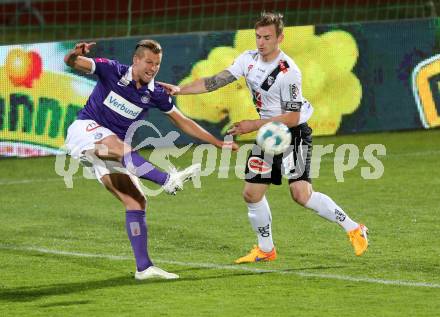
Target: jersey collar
x=129, y=76
x=275, y=60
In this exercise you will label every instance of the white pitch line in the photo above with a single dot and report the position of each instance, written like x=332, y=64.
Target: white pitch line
x=35, y=180
x=234, y=268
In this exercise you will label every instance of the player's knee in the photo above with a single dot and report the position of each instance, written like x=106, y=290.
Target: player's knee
x=300, y=196
x=117, y=152
x=111, y=147
x=252, y=197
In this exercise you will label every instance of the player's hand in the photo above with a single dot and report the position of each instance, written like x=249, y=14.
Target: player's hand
x=243, y=127
x=83, y=48
x=170, y=89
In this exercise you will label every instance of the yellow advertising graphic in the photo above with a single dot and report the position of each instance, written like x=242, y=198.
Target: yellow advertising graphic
x=38, y=100
x=426, y=89
x=326, y=62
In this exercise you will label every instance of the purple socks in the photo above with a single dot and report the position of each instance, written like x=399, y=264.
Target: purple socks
x=143, y=169
x=137, y=233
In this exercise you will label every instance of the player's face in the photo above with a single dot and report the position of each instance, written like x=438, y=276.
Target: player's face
x=267, y=41
x=145, y=67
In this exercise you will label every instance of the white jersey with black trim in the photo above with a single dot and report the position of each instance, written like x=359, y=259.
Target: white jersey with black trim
x=275, y=86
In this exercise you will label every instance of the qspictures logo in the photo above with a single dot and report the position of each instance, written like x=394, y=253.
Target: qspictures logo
x=426, y=89
x=38, y=100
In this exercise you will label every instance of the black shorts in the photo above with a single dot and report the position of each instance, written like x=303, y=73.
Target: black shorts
x=294, y=163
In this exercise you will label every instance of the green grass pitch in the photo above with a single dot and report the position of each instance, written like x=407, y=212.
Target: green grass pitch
x=64, y=252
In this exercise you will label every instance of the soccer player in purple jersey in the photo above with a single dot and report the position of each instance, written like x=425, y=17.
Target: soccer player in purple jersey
x=123, y=95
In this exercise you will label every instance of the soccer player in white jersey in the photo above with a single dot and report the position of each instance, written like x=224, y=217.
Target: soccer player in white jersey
x=122, y=96
x=275, y=83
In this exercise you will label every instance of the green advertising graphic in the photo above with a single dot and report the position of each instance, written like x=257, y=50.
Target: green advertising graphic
x=359, y=78
x=37, y=104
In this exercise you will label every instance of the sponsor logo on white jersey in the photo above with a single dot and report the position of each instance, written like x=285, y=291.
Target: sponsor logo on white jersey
x=122, y=106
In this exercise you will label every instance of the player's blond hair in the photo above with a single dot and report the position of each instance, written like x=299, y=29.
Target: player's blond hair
x=151, y=45
x=271, y=18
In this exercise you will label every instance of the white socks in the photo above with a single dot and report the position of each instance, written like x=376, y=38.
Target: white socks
x=327, y=208
x=261, y=218
x=261, y=221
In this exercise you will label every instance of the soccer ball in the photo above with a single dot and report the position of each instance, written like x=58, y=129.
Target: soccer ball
x=274, y=137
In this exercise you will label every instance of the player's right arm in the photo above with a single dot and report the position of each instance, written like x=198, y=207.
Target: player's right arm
x=202, y=85
x=208, y=84
x=76, y=59
x=239, y=68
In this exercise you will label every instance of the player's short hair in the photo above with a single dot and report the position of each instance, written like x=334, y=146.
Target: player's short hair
x=151, y=45
x=271, y=18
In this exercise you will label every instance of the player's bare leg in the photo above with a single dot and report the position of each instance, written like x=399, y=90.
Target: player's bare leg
x=302, y=192
x=112, y=148
x=123, y=188
x=261, y=221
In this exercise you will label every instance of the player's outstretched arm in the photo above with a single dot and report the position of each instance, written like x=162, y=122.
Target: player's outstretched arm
x=191, y=128
x=217, y=81
x=290, y=119
x=201, y=85
x=76, y=59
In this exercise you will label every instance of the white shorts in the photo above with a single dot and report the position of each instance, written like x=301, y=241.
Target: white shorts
x=82, y=136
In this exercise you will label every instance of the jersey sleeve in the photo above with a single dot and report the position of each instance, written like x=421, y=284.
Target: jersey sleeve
x=103, y=66
x=238, y=67
x=291, y=92
x=165, y=103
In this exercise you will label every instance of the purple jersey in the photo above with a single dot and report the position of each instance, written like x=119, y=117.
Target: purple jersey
x=116, y=103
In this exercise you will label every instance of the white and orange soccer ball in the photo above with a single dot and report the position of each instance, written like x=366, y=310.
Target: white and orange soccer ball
x=274, y=137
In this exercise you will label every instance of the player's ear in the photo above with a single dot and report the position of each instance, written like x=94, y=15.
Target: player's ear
x=135, y=59
x=280, y=38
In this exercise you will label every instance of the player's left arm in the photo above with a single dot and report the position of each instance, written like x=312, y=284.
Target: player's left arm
x=193, y=129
